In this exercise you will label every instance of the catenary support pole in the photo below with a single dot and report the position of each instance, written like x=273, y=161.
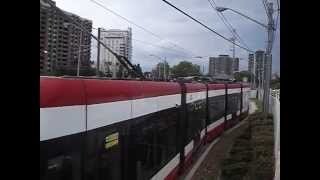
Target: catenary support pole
x=268, y=64
x=98, y=55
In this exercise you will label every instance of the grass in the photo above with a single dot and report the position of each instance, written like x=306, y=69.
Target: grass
x=251, y=156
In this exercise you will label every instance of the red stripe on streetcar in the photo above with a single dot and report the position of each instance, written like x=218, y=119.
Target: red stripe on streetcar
x=151, y=89
x=234, y=86
x=195, y=87
x=103, y=91
x=55, y=92
x=216, y=86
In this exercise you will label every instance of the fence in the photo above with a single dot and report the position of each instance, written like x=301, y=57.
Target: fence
x=276, y=93
x=274, y=109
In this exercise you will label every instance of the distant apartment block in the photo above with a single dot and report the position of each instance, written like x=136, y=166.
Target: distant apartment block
x=236, y=65
x=259, y=64
x=221, y=67
x=119, y=41
x=60, y=40
x=251, y=63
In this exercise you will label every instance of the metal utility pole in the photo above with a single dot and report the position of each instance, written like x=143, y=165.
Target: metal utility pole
x=203, y=69
x=268, y=59
x=233, y=46
x=159, y=71
x=98, y=54
x=79, y=54
x=233, y=39
x=164, y=69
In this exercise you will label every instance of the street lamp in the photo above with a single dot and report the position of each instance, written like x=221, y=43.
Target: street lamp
x=270, y=28
x=221, y=9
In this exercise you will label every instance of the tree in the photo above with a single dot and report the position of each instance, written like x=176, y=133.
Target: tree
x=138, y=70
x=185, y=68
x=243, y=74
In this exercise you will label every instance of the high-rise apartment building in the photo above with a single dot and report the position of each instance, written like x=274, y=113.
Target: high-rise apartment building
x=251, y=63
x=60, y=40
x=236, y=65
x=259, y=64
x=119, y=41
x=221, y=67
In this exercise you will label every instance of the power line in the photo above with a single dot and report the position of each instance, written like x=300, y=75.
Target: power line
x=219, y=15
x=206, y=26
x=155, y=45
x=264, y=2
x=228, y=24
x=151, y=44
x=133, y=23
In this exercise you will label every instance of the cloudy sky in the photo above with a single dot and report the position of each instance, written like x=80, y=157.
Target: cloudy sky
x=178, y=37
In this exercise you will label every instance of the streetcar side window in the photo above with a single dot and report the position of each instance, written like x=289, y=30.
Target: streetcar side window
x=154, y=143
x=233, y=103
x=216, y=108
x=196, y=119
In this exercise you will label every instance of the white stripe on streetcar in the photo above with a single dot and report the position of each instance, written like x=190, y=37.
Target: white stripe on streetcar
x=232, y=91
x=100, y=115
x=203, y=132
x=219, y=92
x=188, y=148
x=61, y=121
x=191, y=97
x=215, y=124
x=165, y=171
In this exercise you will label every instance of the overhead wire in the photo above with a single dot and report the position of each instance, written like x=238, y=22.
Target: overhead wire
x=145, y=42
x=152, y=44
x=177, y=52
x=219, y=15
x=137, y=25
x=264, y=2
x=210, y=29
x=228, y=24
